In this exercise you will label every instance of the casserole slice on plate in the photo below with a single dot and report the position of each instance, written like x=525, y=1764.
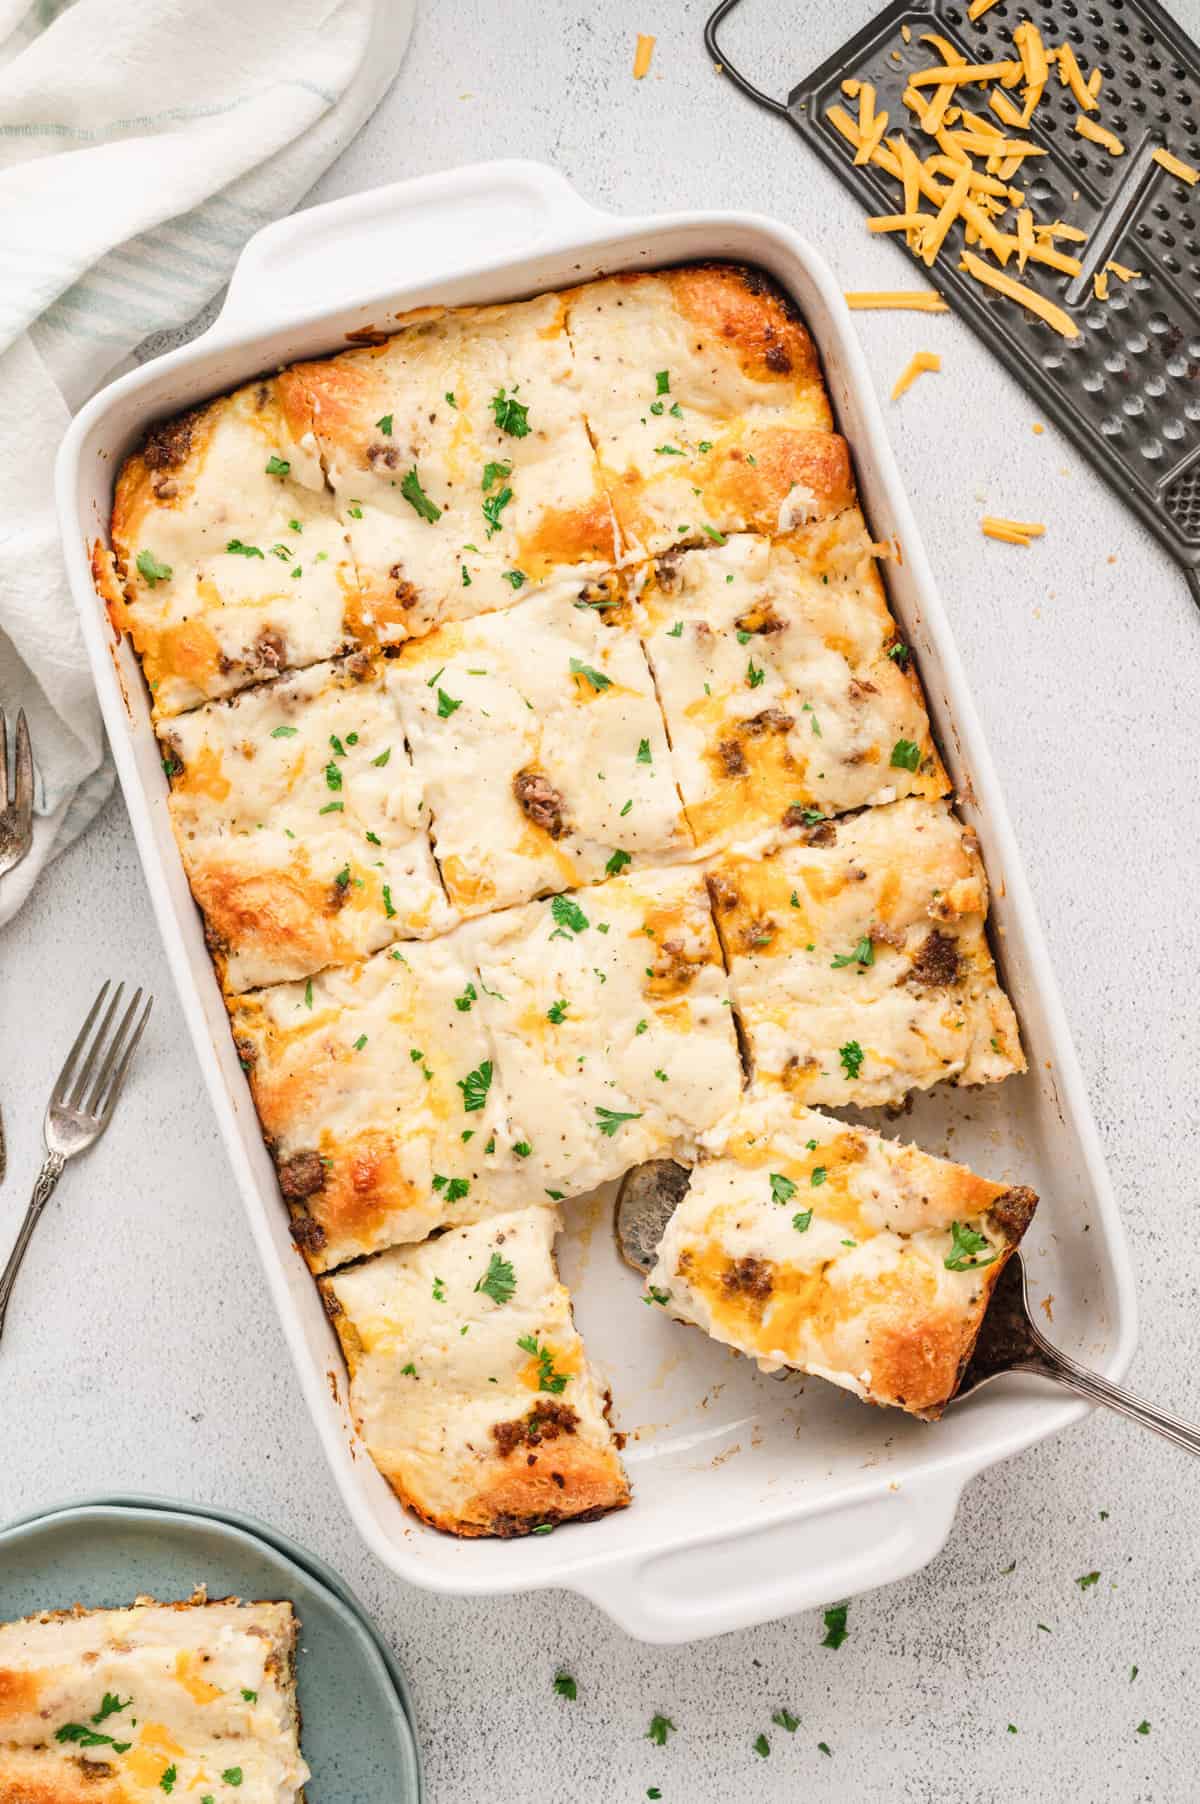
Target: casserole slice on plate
x=121, y=1706
x=804, y=1242
x=469, y=1384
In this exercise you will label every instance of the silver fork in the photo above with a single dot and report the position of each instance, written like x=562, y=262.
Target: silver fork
x=16, y=816
x=80, y=1108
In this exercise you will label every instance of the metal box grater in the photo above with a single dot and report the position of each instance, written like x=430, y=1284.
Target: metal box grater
x=1127, y=390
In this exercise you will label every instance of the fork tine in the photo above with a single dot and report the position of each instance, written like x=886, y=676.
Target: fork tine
x=24, y=773
x=3, y=758
x=88, y=1065
x=64, y=1076
x=123, y=1067
x=114, y=1051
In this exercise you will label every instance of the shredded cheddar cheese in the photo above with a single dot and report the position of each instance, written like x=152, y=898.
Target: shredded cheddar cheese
x=1177, y=167
x=919, y=363
x=977, y=9
x=1121, y=271
x=908, y=300
x=1100, y=285
x=642, y=56
x=1011, y=532
x=1017, y=291
x=1109, y=141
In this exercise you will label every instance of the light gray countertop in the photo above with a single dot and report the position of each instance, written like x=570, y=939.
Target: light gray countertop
x=143, y=1354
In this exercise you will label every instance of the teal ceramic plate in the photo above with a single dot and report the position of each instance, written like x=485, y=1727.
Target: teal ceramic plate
x=357, y=1737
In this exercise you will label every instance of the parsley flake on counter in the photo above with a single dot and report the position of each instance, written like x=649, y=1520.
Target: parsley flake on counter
x=568, y=914
x=862, y=955
x=509, y=414
x=416, y=497
x=906, y=755
x=557, y=1012
x=783, y=1719
x=660, y=1728
x=149, y=567
x=499, y=1282
x=835, y=1626
x=966, y=1246
x=782, y=1189
x=617, y=863
x=652, y=1791
x=475, y=1087
x=1088, y=1579
x=851, y=1055
x=565, y=1686
x=762, y=1746
x=240, y=550
x=596, y=678
x=1143, y=1727
x=1012, y=1728
x=609, y=1120
x=825, y=1748
x=384, y=423
x=447, y=705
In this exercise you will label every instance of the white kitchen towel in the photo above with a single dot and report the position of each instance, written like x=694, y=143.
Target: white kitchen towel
x=142, y=142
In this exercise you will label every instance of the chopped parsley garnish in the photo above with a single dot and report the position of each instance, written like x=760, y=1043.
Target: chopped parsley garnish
x=660, y=1728
x=862, y=955
x=499, y=1281
x=819, y=1175
x=676, y=631
x=899, y=654
x=446, y=705
x=332, y=808
x=277, y=466
x=568, y=914
x=333, y=776
x=382, y=758
x=762, y=1746
x=492, y=474
x=718, y=538
x=416, y=497
x=783, y=1719
x=655, y=1295
x=609, y=1120
x=642, y=1027
x=565, y=1686
x=167, y=1782
x=455, y=1189
x=807, y=708
x=657, y=407
x=662, y=382
x=626, y=808
x=466, y=580
x=449, y=396
x=284, y=732
x=232, y=1775
x=522, y=1148
x=754, y=675
x=389, y=907
x=110, y=1705
x=906, y=755
x=90, y=1738
x=463, y=1003
x=803, y=1221
x=515, y=577
x=308, y=994
x=851, y=1055
x=493, y=507
x=643, y=752
x=151, y=569
x=439, y=1290
x=249, y=1697
x=355, y=510
x=557, y=1012
x=617, y=863
x=548, y=1378
x=360, y=1042
x=475, y=1087
x=835, y=1626
x=670, y=451
x=965, y=1249
x=596, y=678
x=384, y=423
x=509, y=415
x=343, y=877
x=408, y=1371
x=240, y=550
x=782, y=1189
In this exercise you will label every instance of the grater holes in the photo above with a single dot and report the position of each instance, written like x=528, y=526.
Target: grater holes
x=1182, y=501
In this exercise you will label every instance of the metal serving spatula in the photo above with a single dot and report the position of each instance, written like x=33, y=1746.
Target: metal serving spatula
x=1009, y=1341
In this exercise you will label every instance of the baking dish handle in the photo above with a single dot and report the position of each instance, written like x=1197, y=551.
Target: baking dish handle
x=371, y=244
x=739, y=1580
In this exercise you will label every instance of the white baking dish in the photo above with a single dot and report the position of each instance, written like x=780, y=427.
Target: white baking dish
x=753, y=1498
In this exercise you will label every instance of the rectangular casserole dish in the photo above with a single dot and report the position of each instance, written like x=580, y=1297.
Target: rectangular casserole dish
x=753, y=1498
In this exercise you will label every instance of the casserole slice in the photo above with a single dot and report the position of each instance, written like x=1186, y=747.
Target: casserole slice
x=609, y=1011
x=540, y=749
x=803, y=1242
x=787, y=691
x=301, y=823
x=118, y=1706
x=460, y=460
x=378, y=1093
x=469, y=1384
x=229, y=562
x=858, y=960
x=706, y=404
